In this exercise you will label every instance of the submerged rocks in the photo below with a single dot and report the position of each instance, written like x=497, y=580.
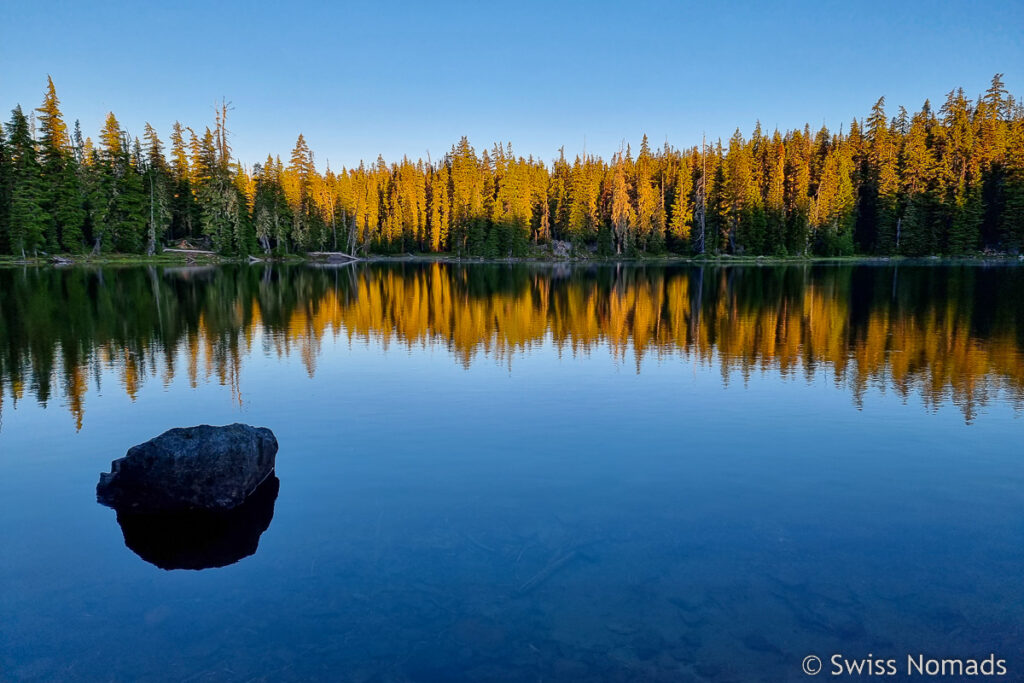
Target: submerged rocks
x=190, y=468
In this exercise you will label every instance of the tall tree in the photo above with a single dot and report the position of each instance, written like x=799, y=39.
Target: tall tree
x=622, y=215
x=1012, y=218
x=5, y=192
x=27, y=219
x=681, y=221
x=918, y=229
x=157, y=183
x=62, y=198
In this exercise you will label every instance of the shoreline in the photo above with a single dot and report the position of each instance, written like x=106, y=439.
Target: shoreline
x=178, y=259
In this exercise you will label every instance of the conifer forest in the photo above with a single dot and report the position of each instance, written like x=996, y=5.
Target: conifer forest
x=947, y=179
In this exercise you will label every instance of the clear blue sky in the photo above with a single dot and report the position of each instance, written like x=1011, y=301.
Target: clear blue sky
x=364, y=78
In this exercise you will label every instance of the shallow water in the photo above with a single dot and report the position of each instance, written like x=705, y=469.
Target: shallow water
x=523, y=473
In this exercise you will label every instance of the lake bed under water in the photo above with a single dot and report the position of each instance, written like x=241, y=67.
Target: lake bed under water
x=524, y=472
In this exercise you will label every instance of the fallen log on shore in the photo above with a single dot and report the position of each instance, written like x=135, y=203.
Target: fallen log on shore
x=332, y=255
x=190, y=251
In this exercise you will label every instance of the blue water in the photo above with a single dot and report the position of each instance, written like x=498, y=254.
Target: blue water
x=540, y=514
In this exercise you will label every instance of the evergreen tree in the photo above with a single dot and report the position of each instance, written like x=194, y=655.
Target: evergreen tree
x=223, y=208
x=833, y=205
x=1012, y=216
x=962, y=205
x=916, y=184
x=5, y=193
x=440, y=210
x=681, y=220
x=741, y=197
x=27, y=219
x=646, y=196
x=467, y=194
x=622, y=216
x=62, y=196
x=119, y=222
x=184, y=212
x=918, y=232
x=882, y=180
x=157, y=183
x=775, y=197
x=717, y=203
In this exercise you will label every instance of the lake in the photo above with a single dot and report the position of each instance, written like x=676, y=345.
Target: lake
x=515, y=472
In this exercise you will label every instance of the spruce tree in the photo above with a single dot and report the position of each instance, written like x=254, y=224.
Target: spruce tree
x=622, y=215
x=120, y=203
x=775, y=197
x=157, y=183
x=918, y=233
x=62, y=195
x=1012, y=218
x=681, y=221
x=798, y=188
x=646, y=195
x=27, y=219
x=183, y=207
x=741, y=196
x=5, y=193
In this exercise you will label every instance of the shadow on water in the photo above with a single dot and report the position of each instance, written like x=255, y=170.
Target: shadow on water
x=201, y=539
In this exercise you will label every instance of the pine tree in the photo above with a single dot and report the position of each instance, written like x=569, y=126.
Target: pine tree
x=716, y=204
x=681, y=221
x=622, y=215
x=271, y=214
x=224, y=216
x=440, y=210
x=797, y=191
x=833, y=205
x=5, y=193
x=542, y=206
x=467, y=194
x=961, y=198
x=775, y=196
x=646, y=196
x=918, y=233
x=26, y=219
x=157, y=183
x=740, y=194
x=882, y=179
x=184, y=211
x=558, y=195
x=62, y=196
x=119, y=221
x=1012, y=217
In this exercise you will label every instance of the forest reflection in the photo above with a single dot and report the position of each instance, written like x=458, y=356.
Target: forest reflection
x=942, y=332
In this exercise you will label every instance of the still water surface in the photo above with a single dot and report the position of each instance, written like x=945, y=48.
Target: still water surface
x=521, y=473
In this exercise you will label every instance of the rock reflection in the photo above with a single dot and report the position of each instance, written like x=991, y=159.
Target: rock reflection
x=201, y=539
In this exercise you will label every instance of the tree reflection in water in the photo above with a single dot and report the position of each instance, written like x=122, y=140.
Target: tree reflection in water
x=941, y=332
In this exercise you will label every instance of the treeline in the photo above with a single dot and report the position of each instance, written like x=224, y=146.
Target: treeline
x=949, y=181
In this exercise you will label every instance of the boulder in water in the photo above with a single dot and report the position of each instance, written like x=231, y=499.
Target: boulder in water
x=190, y=468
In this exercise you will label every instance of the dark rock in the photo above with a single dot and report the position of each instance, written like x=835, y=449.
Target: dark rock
x=190, y=468
x=201, y=539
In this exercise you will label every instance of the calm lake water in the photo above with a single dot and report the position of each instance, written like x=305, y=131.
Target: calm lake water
x=521, y=473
